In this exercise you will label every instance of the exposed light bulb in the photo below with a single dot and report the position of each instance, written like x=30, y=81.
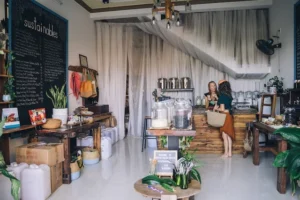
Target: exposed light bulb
x=188, y=6
x=173, y=15
x=153, y=20
x=178, y=22
x=168, y=25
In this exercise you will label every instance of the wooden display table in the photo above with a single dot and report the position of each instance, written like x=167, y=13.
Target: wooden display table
x=173, y=136
x=194, y=188
x=281, y=146
x=10, y=134
x=65, y=135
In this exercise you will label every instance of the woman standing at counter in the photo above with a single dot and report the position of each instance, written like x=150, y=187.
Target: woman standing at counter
x=224, y=105
x=212, y=96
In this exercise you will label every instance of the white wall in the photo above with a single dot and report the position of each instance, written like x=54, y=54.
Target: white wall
x=82, y=36
x=282, y=17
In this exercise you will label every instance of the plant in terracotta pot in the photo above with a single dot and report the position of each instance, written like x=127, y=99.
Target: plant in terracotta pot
x=15, y=183
x=277, y=83
x=59, y=100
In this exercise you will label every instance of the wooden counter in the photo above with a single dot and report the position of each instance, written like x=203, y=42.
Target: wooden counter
x=208, y=139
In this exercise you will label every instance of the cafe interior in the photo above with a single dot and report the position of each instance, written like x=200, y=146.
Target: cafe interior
x=149, y=99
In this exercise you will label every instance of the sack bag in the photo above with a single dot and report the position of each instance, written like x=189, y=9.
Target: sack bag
x=86, y=88
x=216, y=119
x=91, y=77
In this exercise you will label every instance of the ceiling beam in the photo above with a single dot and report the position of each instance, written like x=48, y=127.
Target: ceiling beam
x=141, y=6
x=236, y=5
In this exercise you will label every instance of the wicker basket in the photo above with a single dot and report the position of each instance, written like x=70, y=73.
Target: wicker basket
x=52, y=124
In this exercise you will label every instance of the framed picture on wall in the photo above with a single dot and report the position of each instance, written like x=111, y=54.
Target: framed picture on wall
x=83, y=61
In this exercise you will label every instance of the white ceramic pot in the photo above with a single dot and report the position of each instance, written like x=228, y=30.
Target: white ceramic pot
x=60, y=111
x=62, y=114
x=273, y=90
x=6, y=97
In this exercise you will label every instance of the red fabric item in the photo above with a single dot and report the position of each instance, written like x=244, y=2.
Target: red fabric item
x=75, y=82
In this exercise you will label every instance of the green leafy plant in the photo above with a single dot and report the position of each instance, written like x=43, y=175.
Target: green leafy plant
x=3, y=35
x=15, y=183
x=184, y=141
x=278, y=83
x=290, y=159
x=163, y=141
x=190, y=157
x=168, y=184
x=9, y=87
x=58, y=97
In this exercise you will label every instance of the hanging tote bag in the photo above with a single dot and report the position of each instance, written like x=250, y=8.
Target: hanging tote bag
x=86, y=88
x=216, y=119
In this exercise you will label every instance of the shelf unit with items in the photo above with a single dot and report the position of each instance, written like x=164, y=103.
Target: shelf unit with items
x=4, y=77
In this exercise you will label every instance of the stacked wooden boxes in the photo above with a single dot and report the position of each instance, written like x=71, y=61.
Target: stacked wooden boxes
x=51, y=154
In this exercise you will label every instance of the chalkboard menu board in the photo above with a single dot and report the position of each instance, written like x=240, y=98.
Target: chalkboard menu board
x=165, y=162
x=38, y=39
x=297, y=41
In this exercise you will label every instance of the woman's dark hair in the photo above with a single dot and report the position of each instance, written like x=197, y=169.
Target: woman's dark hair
x=225, y=88
x=215, y=85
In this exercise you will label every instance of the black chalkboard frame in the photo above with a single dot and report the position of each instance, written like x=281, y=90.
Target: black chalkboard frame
x=66, y=41
x=296, y=24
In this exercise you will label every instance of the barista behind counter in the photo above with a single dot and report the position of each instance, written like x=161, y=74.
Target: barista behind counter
x=212, y=96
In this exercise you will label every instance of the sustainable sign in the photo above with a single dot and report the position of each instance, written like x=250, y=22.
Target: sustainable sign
x=165, y=162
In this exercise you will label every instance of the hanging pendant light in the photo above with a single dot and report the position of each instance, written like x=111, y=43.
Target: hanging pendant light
x=178, y=22
x=153, y=20
x=168, y=25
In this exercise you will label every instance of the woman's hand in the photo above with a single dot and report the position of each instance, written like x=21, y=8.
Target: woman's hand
x=216, y=107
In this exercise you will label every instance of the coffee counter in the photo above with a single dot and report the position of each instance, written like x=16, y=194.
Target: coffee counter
x=208, y=139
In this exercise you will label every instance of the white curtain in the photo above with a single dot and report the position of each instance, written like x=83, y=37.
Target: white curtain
x=112, y=51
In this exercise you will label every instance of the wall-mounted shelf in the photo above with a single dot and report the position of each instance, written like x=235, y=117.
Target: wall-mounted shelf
x=182, y=90
x=5, y=76
x=80, y=68
x=178, y=90
x=5, y=103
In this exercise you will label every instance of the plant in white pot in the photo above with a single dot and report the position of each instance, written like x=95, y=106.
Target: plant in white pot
x=59, y=101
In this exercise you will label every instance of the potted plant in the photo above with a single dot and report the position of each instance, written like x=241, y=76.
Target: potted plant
x=15, y=183
x=9, y=93
x=3, y=36
x=290, y=159
x=277, y=83
x=59, y=101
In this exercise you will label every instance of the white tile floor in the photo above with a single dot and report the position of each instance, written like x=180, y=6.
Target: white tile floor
x=234, y=179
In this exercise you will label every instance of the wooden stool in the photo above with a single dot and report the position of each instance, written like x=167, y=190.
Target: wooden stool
x=145, y=136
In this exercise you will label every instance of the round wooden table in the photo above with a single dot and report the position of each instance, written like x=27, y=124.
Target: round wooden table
x=194, y=188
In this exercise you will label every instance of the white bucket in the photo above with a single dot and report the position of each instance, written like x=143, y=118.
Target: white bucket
x=17, y=169
x=35, y=182
x=106, y=148
x=61, y=114
x=85, y=142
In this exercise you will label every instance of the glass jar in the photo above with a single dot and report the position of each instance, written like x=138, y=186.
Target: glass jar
x=159, y=115
x=183, y=112
x=290, y=116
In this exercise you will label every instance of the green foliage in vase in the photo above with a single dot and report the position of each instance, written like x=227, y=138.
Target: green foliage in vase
x=168, y=184
x=15, y=183
x=290, y=159
x=58, y=97
x=191, y=157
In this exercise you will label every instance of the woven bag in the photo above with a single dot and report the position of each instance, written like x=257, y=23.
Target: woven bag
x=216, y=119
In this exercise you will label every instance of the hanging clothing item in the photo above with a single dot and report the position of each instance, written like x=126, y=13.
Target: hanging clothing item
x=86, y=88
x=75, y=84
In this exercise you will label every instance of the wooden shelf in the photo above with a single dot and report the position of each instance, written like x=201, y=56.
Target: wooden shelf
x=5, y=76
x=4, y=103
x=178, y=90
x=80, y=68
